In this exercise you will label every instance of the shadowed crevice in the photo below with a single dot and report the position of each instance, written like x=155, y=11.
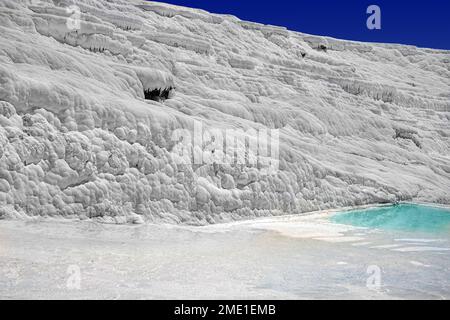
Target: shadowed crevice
x=158, y=94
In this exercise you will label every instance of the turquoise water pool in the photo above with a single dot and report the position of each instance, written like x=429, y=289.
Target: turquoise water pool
x=404, y=217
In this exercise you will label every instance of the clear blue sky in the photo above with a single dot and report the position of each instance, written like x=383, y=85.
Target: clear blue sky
x=420, y=23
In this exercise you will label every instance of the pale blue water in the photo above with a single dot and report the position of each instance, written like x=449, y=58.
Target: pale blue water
x=404, y=217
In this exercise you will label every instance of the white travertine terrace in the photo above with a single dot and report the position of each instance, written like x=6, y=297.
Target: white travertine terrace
x=359, y=123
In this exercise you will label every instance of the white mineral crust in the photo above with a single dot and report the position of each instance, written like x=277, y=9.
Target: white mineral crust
x=358, y=123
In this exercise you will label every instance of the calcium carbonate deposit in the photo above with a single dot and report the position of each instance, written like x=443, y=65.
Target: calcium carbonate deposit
x=97, y=98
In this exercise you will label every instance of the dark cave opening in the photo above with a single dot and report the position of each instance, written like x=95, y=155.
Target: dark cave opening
x=158, y=94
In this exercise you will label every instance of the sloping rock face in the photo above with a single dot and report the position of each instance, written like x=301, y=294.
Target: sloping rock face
x=348, y=123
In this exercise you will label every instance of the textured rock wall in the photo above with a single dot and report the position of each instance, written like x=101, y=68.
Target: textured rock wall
x=358, y=123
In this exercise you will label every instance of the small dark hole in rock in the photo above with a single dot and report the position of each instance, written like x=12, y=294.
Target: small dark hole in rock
x=322, y=47
x=157, y=94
